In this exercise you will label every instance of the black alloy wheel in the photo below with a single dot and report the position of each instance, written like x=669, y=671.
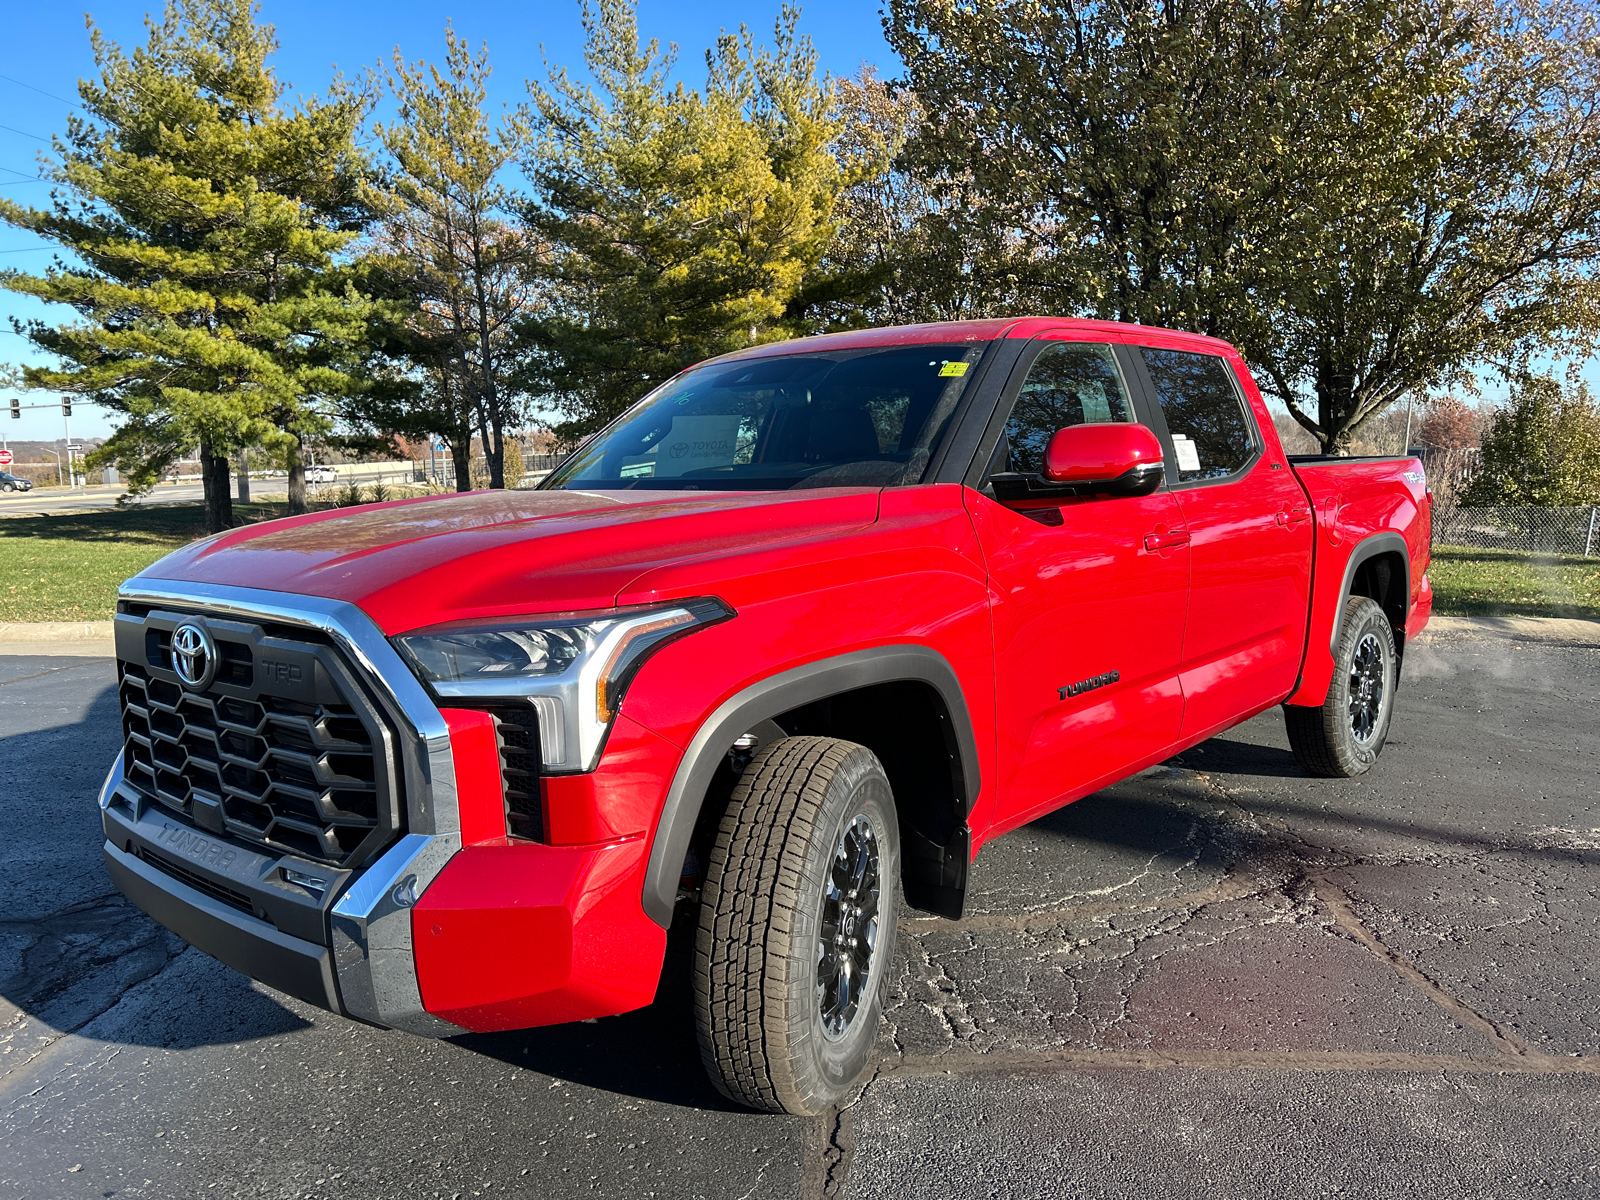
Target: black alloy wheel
x=848, y=937
x=1367, y=689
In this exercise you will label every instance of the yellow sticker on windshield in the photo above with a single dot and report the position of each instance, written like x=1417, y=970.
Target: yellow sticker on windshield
x=953, y=368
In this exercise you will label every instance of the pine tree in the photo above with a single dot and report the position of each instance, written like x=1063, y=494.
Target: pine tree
x=682, y=223
x=210, y=221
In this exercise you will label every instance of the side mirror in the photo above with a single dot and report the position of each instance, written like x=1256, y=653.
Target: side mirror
x=1109, y=459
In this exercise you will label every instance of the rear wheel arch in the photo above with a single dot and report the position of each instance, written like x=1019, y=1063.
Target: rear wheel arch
x=1379, y=568
x=904, y=703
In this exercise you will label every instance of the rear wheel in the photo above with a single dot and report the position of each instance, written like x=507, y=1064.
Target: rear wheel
x=797, y=926
x=1346, y=734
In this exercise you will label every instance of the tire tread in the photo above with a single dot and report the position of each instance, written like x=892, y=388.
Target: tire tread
x=748, y=908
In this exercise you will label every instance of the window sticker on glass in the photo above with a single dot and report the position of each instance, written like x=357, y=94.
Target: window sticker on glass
x=956, y=369
x=694, y=443
x=1092, y=398
x=1188, y=452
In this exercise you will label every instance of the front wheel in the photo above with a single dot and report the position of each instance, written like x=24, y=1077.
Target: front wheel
x=1346, y=734
x=797, y=926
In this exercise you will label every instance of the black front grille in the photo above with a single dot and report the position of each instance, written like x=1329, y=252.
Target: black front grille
x=280, y=750
x=199, y=883
x=517, y=733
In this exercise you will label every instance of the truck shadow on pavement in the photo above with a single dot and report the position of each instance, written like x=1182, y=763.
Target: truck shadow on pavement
x=1240, y=758
x=72, y=949
x=650, y=1054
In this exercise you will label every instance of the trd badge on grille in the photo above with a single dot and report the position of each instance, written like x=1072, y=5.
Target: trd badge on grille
x=194, y=655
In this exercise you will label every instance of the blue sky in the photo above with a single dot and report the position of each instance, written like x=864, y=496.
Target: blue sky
x=48, y=52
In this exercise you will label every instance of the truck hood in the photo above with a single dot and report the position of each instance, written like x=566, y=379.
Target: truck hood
x=483, y=555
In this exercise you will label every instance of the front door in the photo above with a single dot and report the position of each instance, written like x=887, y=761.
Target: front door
x=1250, y=525
x=1088, y=621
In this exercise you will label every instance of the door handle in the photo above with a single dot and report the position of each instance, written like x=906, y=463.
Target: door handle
x=1165, y=541
x=1294, y=516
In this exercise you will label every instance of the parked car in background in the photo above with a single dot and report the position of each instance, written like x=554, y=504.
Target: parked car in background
x=321, y=474
x=14, y=483
x=767, y=660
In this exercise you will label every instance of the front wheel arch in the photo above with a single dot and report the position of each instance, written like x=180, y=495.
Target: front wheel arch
x=936, y=875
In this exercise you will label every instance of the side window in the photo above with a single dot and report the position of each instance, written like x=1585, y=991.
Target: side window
x=1204, y=412
x=1071, y=383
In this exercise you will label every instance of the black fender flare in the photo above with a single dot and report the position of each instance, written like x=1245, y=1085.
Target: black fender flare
x=1387, y=542
x=768, y=698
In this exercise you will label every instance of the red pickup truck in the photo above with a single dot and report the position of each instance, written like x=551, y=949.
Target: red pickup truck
x=779, y=650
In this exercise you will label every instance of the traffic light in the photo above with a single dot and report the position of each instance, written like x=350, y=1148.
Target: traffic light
x=16, y=408
x=66, y=406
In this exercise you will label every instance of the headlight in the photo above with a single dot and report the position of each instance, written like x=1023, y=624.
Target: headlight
x=573, y=668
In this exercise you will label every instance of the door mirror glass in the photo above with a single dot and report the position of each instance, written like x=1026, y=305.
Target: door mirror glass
x=1123, y=458
x=1090, y=460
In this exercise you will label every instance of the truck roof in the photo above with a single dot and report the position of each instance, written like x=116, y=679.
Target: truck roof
x=973, y=331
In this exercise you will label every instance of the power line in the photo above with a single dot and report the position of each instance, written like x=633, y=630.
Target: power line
x=14, y=182
x=27, y=250
x=24, y=133
x=14, y=171
x=41, y=91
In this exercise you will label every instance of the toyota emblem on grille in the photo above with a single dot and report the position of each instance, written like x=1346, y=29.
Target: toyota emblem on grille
x=194, y=655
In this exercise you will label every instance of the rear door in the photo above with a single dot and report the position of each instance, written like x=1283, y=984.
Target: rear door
x=1250, y=549
x=1088, y=622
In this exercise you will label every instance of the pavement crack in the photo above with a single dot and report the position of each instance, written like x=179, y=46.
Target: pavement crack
x=48, y=671
x=830, y=1147
x=1346, y=919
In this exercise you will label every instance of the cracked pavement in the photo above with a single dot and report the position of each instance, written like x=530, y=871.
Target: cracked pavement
x=1220, y=977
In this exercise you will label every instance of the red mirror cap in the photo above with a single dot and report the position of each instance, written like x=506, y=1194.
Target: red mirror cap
x=1105, y=451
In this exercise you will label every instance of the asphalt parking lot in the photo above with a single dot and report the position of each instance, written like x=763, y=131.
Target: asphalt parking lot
x=1220, y=978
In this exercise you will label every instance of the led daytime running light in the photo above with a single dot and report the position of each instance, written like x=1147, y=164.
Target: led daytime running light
x=610, y=683
x=572, y=669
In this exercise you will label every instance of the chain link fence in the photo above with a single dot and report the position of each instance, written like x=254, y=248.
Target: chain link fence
x=1524, y=529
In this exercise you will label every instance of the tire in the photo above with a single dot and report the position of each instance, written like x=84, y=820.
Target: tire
x=780, y=1028
x=1346, y=734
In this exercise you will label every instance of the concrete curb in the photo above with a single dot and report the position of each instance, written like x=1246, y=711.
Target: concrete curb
x=1564, y=631
x=78, y=639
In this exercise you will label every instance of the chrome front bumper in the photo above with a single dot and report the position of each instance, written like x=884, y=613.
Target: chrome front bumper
x=372, y=962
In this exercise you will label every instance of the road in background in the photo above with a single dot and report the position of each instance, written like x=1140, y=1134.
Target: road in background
x=1219, y=978
x=55, y=501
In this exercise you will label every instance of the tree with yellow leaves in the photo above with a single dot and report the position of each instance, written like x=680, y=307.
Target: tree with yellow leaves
x=682, y=222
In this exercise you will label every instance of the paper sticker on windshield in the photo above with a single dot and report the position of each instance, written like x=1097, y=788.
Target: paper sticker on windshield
x=957, y=369
x=1188, y=452
x=695, y=443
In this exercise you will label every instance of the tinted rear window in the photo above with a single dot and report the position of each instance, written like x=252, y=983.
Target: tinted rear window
x=1203, y=408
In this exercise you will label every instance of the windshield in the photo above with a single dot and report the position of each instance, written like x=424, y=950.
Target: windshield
x=845, y=418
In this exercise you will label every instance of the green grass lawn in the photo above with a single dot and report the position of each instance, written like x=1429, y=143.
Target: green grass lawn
x=1470, y=582
x=67, y=568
